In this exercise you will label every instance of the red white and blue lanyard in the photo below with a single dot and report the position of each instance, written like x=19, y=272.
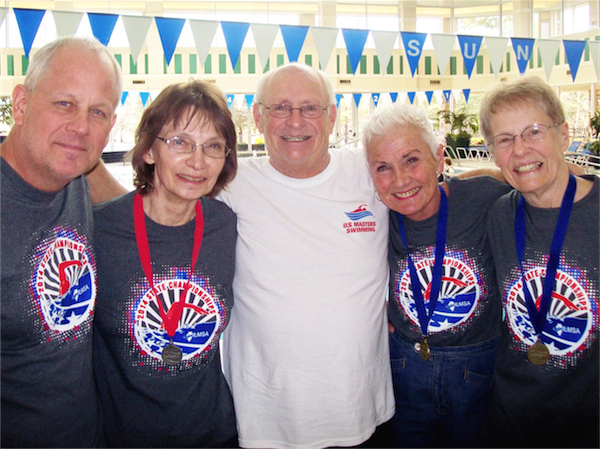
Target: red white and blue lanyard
x=538, y=317
x=423, y=314
x=170, y=319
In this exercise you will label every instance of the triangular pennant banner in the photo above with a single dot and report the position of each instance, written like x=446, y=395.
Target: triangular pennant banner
x=595, y=51
x=384, y=44
x=355, y=43
x=496, y=47
x=443, y=44
x=394, y=96
x=144, y=97
x=235, y=34
x=411, y=97
x=124, y=97
x=136, y=28
x=548, y=49
x=357, y=98
x=413, y=46
x=3, y=12
x=249, y=100
x=28, y=21
x=230, y=98
x=293, y=38
x=102, y=25
x=573, y=52
x=375, y=98
x=264, y=38
x=169, y=30
x=523, y=49
x=447, y=94
x=66, y=22
x=429, y=95
x=469, y=47
x=204, y=33
x=338, y=97
x=324, y=41
x=466, y=93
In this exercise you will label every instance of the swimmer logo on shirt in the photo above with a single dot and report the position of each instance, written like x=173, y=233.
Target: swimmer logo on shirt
x=458, y=297
x=569, y=318
x=64, y=282
x=359, y=220
x=201, y=319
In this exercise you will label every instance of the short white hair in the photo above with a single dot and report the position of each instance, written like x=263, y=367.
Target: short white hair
x=395, y=115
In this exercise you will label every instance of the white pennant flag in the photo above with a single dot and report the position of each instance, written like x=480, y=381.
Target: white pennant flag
x=384, y=44
x=66, y=22
x=496, y=47
x=136, y=28
x=324, y=41
x=264, y=38
x=3, y=12
x=548, y=50
x=204, y=33
x=595, y=51
x=443, y=45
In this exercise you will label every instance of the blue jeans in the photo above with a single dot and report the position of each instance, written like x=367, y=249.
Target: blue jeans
x=441, y=402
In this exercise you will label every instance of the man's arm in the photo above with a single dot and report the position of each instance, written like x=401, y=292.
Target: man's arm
x=103, y=185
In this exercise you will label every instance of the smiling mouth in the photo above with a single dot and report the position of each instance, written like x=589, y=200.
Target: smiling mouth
x=191, y=178
x=408, y=194
x=295, y=138
x=528, y=167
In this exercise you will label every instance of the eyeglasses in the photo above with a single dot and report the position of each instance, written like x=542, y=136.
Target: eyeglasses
x=182, y=145
x=285, y=110
x=533, y=133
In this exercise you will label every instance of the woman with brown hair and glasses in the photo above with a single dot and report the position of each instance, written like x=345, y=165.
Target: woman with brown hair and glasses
x=165, y=262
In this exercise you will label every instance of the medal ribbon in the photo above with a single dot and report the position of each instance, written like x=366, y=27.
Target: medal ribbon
x=436, y=281
x=538, y=318
x=171, y=318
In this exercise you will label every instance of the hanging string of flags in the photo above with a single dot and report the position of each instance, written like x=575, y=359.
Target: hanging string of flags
x=203, y=31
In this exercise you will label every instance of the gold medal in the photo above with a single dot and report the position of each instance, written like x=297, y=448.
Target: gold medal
x=424, y=350
x=538, y=353
x=171, y=354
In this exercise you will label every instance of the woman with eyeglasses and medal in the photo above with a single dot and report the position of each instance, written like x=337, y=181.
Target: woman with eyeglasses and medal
x=165, y=261
x=545, y=242
x=444, y=309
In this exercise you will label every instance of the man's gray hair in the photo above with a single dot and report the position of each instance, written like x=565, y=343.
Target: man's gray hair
x=325, y=81
x=396, y=115
x=41, y=60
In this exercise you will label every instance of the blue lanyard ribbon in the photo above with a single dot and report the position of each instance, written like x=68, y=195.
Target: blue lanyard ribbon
x=538, y=318
x=436, y=281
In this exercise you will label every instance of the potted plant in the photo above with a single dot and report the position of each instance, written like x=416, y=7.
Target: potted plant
x=462, y=126
x=594, y=145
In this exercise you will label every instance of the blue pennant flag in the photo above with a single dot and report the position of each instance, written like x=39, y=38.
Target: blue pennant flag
x=28, y=21
x=249, y=100
x=523, y=49
x=124, y=97
x=338, y=97
x=169, y=31
x=102, y=25
x=394, y=96
x=230, y=98
x=235, y=35
x=355, y=44
x=411, y=97
x=375, y=99
x=573, y=52
x=144, y=96
x=293, y=38
x=466, y=93
x=447, y=95
x=357, y=98
x=429, y=95
x=469, y=47
x=413, y=46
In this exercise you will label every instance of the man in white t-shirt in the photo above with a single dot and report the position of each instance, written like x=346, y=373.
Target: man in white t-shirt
x=306, y=352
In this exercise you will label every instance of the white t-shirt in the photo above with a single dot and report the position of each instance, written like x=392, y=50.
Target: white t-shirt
x=306, y=352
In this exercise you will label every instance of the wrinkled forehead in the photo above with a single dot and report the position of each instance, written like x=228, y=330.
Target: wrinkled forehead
x=188, y=120
x=295, y=86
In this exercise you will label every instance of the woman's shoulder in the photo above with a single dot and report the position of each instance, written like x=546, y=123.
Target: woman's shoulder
x=115, y=208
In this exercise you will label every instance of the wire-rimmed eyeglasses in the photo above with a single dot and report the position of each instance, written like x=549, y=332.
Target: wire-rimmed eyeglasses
x=182, y=145
x=533, y=133
x=285, y=110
